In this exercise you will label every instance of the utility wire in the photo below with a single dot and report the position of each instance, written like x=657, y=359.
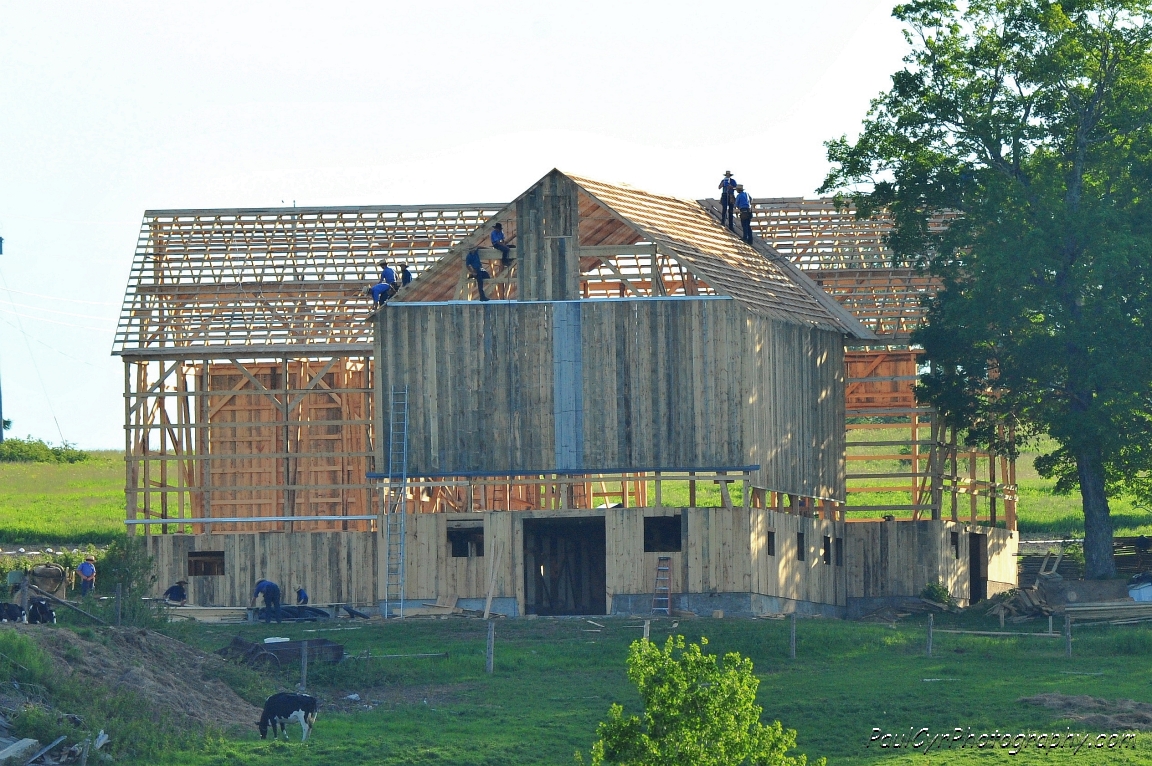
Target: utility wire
x=47, y=346
x=36, y=367
x=51, y=321
x=52, y=311
x=62, y=298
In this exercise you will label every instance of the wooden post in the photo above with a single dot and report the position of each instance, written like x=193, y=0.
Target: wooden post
x=119, y=597
x=647, y=628
x=659, y=495
x=929, y=634
x=1068, y=635
x=1049, y=623
x=304, y=667
x=491, y=645
x=792, y=637
x=691, y=490
x=24, y=594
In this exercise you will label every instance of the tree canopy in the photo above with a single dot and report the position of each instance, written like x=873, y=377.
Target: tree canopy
x=1027, y=124
x=696, y=711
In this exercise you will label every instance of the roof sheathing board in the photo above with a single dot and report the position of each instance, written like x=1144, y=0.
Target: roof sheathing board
x=723, y=261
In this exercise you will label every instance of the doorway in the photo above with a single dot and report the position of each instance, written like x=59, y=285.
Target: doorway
x=564, y=566
x=977, y=567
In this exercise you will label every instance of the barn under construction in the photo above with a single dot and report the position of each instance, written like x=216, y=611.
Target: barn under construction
x=648, y=413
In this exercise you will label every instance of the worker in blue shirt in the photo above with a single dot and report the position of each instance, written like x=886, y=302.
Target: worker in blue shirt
x=727, y=189
x=271, y=593
x=301, y=595
x=744, y=205
x=497, y=238
x=177, y=594
x=476, y=271
x=405, y=275
x=87, y=572
x=386, y=287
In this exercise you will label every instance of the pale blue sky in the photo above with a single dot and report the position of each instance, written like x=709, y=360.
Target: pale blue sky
x=109, y=109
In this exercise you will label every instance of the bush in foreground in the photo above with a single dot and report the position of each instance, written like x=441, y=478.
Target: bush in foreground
x=696, y=711
x=31, y=450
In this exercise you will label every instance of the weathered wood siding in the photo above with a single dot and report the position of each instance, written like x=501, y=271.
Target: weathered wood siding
x=335, y=567
x=547, y=262
x=616, y=385
x=898, y=558
x=794, y=407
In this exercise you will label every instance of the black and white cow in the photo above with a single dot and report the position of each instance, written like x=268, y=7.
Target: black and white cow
x=40, y=612
x=11, y=613
x=283, y=707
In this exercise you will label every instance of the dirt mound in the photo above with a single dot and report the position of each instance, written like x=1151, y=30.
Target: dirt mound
x=172, y=676
x=1114, y=715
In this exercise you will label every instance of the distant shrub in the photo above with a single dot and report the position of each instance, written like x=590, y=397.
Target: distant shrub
x=31, y=450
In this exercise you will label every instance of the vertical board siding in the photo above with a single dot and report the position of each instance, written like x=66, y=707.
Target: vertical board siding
x=335, y=567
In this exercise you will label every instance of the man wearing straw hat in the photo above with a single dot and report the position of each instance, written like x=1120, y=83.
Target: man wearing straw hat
x=87, y=572
x=727, y=189
x=177, y=594
x=744, y=204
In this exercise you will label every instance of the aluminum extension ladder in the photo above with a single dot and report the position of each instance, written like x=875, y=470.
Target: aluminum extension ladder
x=394, y=510
x=662, y=593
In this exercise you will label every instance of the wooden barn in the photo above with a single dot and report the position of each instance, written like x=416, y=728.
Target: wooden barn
x=643, y=395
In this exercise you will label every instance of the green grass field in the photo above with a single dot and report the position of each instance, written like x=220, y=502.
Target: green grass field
x=555, y=678
x=63, y=502
x=84, y=502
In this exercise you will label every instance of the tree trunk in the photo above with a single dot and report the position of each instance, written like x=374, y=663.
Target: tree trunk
x=1099, y=563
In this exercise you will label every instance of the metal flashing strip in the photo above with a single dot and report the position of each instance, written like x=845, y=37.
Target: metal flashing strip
x=583, y=471
x=585, y=301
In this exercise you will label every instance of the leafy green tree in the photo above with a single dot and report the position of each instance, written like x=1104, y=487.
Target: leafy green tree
x=1025, y=124
x=696, y=711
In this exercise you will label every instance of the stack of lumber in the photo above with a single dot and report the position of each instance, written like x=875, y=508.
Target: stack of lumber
x=1113, y=612
x=1020, y=605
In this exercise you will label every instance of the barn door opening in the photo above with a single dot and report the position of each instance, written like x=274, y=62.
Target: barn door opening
x=564, y=566
x=977, y=567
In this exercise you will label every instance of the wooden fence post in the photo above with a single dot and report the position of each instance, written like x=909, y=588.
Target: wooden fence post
x=1068, y=634
x=491, y=646
x=929, y=634
x=304, y=666
x=119, y=597
x=792, y=638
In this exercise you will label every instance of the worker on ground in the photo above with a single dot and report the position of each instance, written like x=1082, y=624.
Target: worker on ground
x=476, y=271
x=497, y=238
x=386, y=287
x=744, y=205
x=87, y=572
x=271, y=593
x=301, y=595
x=177, y=594
x=727, y=189
x=405, y=275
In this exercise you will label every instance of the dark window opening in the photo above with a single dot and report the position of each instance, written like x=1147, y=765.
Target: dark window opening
x=956, y=545
x=206, y=563
x=565, y=566
x=466, y=543
x=801, y=550
x=839, y=551
x=662, y=534
x=827, y=554
x=771, y=543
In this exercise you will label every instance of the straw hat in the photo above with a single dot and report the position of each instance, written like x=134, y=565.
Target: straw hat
x=89, y=557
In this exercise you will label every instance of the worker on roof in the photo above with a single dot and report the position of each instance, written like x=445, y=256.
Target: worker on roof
x=271, y=593
x=744, y=205
x=386, y=287
x=727, y=189
x=476, y=270
x=177, y=595
x=405, y=275
x=497, y=238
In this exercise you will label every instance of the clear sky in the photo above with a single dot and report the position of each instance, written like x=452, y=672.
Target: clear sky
x=108, y=109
